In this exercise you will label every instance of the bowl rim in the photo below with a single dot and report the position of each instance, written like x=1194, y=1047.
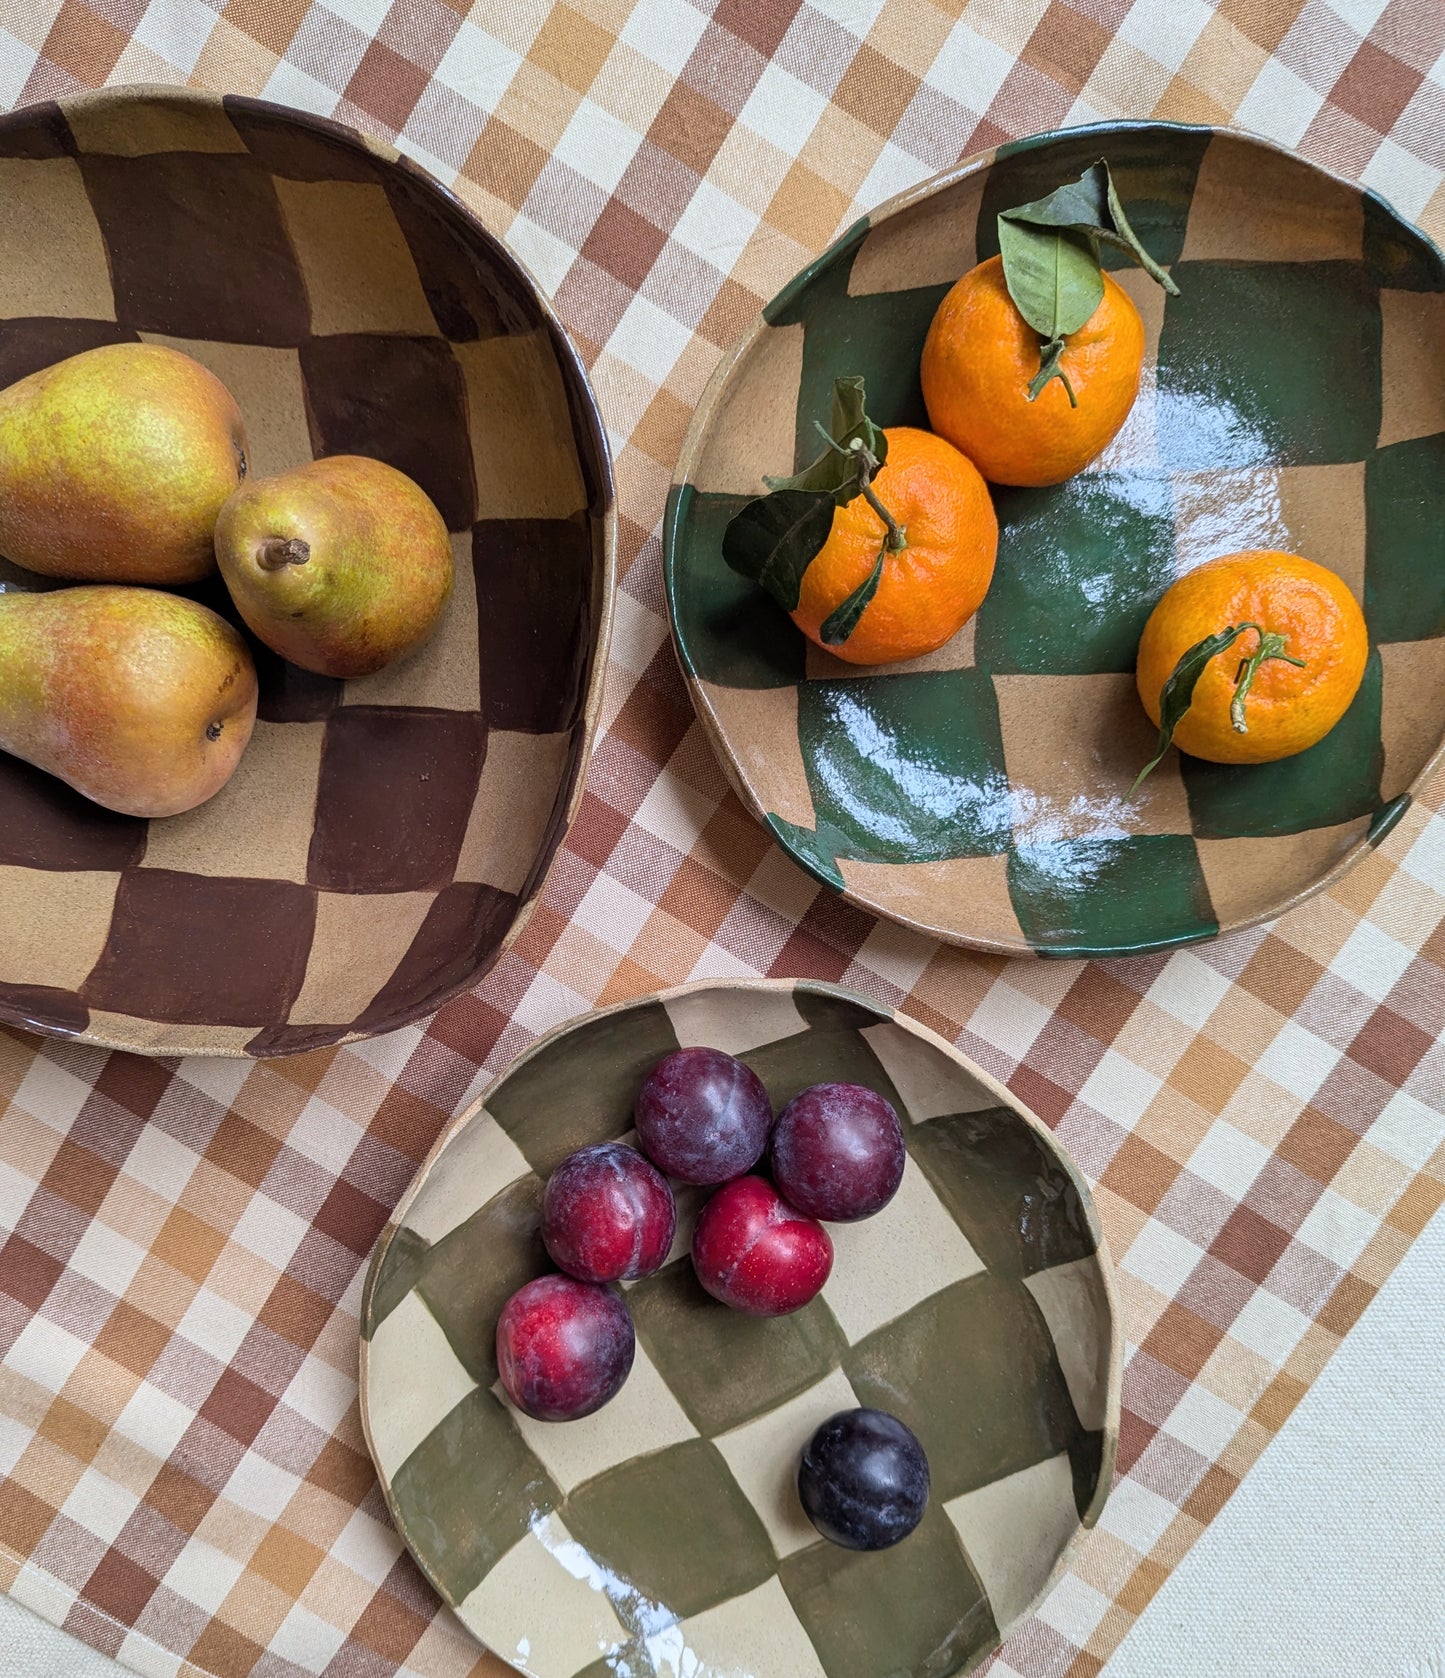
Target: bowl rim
x=1005, y=1098
x=584, y=409
x=1385, y=819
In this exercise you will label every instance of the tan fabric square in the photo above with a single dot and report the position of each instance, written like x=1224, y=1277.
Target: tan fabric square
x=1073, y=746
x=515, y=799
x=277, y=775
x=55, y=925
x=233, y=61
x=515, y=398
x=52, y=257
x=961, y=894
x=932, y=244
x=443, y=672
x=1411, y=704
x=957, y=653
x=1412, y=394
x=359, y=271
x=751, y=169
x=270, y=393
x=761, y=725
x=754, y=425
x=1248, y=877
x=358, y=945
x=1311, y=217
x=141, y=126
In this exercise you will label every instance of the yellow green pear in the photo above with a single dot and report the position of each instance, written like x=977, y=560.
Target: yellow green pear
x=340, y=565
x=114, y=465
x=140, y=700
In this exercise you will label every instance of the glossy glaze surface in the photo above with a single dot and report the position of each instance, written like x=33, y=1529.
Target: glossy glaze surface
x=381, y=837
x=664, y=1534
x=1291, y=398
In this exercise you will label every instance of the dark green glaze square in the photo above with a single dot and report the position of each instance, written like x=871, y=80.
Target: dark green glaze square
x=470, y=1274
x=1405, y=541
x=827, y=1054
x=581, y=1089
x=725, y=1368
x=1269, y=361
x=729, y=631
x=1083, y=897
x=1398, y=256
x=1013, y=1410
x=680, y=1521
x=915, y=1609
x=1155, y=178
x=1333, y=782
x=469, y=1491
x=1009, y=1195
x=1080, y=567
x=398, y=1269
x=907, y=768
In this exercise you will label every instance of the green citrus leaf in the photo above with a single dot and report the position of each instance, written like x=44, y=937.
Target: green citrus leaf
x=773, y=540
x=832, y=473
x=843, y=619
x=1090, y=206
x=1053, y=277
x=1178, y=692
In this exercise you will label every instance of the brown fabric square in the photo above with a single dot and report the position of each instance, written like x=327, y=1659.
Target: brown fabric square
x=1375, y=87
x=75, y=1431
x=345, y=1473
x=197, y=247
x=293, y=1311
x=399, y=400
x=534, y=575
x=1317, y=1145
x=120, y=1587
x=78, y=1177
x=1099, y=1003
x=389, y=1627
x=84, y=43
x=183, y=1501
x=690, y=127
x=133, y=1082
x=1266, y=26
x=243, y=1150
x=1280, y=975
x=352, y=1218
x=624, y=243
x=395, y=792
x=24, y=1518
x=1250, y=1243
x=571, y=47
x=225, y=1652
x=1066, y=45
x=1140, y=1173
x=197, y=950
x=1182, y=1340
x=132, y=1339
x=875, y=90
x=1390, y=1046
x=761, y=25
x=505, y=162
x=1211, y=1494
x=238, y=1407
x=27, y=1273
x=386, y=86
x=1346, y=1305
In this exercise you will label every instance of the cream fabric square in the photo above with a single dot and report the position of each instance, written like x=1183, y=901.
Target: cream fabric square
x=523, y=455
x=55, y=925
x=52, y=258
x=929, y=1082
x=414, y=1382
x=476, y=1165
x=763, y=1458
x=443, y=672
x=278, y=773
x=886, y=1264
x=1076, y=1308
x=734, y=1021
x=643, y=1417
x=515, y=799
x=758, y=1632
x=542, y=1607
x=359, y=271
x=1014, y=1531
x=358, y=944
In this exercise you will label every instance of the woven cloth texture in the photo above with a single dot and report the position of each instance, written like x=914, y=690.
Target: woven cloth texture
x=182, y=1476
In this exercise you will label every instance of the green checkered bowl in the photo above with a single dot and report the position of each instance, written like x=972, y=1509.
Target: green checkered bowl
x=663, y=1535
x=1293, y=397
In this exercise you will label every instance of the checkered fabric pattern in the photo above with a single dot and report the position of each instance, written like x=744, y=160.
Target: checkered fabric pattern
x=1002, y=810
x=185, y=1481
x=974, y=1306
x=354, y=871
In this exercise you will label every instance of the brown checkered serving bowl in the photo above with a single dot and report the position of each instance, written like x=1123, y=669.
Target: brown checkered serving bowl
x=383, y=839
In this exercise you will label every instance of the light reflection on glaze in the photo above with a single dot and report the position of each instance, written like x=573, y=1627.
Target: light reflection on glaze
x=1218, y=513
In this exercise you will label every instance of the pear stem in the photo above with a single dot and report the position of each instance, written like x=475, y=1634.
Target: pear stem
x=277, y=551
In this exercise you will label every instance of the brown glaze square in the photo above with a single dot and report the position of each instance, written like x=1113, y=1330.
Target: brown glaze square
x=462, y=930
x=27, y=345
x=395, y=793
x=399, y=400
x=47, y=825
x=289, y=144
x=535, y=576
x=197, y=247
x=465, y=304
x=195, y=949
x=36, y=131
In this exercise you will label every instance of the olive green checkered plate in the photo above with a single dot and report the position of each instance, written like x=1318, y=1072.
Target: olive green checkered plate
x=1293, y=397
x=663, y=1535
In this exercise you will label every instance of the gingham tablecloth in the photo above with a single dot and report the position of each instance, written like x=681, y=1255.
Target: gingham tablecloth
x=182, y=1476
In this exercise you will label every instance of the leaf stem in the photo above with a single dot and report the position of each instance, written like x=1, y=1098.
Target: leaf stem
x=897, y=538
x=1271, y=646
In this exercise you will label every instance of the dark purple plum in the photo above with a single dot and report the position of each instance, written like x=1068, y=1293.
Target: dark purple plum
x=607, y=1215
x=863, y=1480
x=563, y=1348
x=838, y=1152
x=752, y=1251
x=702, y=1116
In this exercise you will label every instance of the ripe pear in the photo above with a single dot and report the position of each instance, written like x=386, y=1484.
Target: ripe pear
x=114, y=464
x=140, y=700
x=339, y=565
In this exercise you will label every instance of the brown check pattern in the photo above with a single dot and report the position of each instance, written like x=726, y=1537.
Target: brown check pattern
x=182, y=1476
